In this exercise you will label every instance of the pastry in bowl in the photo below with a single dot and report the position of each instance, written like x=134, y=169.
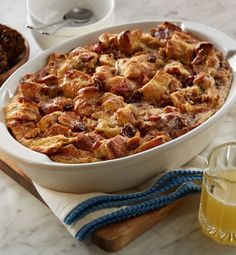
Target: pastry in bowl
x=123, y=94
x=14, y=51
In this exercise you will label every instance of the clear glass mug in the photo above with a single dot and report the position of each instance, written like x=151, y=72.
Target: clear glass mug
x=217, y=212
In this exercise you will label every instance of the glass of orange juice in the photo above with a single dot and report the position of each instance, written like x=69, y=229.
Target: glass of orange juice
x=217, y=212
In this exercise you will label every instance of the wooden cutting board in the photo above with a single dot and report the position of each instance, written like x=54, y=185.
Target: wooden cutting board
x=109, y=238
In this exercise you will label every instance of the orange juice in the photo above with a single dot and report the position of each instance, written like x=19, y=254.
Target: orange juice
x=217, y=213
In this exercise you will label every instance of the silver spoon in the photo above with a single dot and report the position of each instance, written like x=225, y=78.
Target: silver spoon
x=74, y=16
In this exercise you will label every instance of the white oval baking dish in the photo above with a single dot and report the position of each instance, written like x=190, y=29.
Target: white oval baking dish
x=122, y=173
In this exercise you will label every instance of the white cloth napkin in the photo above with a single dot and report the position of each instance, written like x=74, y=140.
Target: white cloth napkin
x=62, y=203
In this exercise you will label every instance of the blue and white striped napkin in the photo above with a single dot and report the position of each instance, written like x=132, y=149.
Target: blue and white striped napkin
x=81, y=214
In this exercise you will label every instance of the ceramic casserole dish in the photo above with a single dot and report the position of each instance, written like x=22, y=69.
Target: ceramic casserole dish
x=122, y=173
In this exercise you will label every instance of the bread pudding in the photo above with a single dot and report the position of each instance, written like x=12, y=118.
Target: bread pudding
x=124, y=94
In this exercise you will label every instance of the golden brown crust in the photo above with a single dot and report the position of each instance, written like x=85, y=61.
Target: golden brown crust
x=22, y=109
x=47, y=145
x=124, y=94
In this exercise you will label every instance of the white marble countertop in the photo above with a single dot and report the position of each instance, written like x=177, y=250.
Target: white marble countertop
x=29, y=227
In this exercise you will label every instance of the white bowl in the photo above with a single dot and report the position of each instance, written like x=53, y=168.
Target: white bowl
x=122, y=173
x=45, y=41
x=104, y=13
x=55, y=10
